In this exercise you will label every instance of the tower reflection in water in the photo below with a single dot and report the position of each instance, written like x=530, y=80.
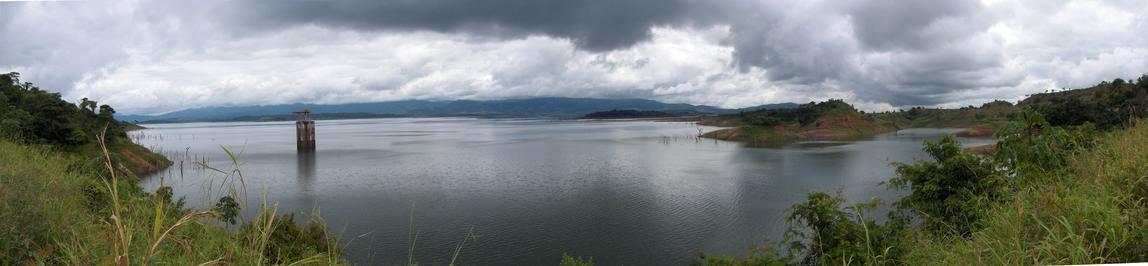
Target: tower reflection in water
x=306, y=176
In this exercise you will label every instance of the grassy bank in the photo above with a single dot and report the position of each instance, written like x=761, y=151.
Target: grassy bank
x=68, y=195
x=1066, y=183
x=1092, y=213
x=62, y=207
x=1049, y=196
x=129, y=159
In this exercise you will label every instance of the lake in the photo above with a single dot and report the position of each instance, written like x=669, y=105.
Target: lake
x=622, y=192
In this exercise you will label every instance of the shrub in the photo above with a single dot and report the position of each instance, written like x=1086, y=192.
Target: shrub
x=1031, y=147
x=951, y=192
x=827, y=233
x=575, y=261
x=227, y=208
x=287, y=241
x=758, y=255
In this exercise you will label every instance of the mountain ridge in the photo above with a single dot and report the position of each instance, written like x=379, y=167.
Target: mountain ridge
x=530, y=107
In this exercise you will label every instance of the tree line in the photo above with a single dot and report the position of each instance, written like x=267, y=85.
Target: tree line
x=803, y=115
x=1034, y=202
x=32, y=115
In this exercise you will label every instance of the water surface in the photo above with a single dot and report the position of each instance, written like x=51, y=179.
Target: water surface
x=622, y=192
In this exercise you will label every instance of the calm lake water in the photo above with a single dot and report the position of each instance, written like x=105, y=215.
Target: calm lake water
x=622, y=192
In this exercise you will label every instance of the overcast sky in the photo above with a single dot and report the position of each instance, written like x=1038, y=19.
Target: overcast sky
x=146, y=57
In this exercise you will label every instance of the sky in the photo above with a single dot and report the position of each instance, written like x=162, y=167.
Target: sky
x=151, y=57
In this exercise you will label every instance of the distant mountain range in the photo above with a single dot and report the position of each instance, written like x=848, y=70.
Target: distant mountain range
x=533, y=107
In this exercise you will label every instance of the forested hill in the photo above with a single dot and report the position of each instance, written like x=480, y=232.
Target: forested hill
x=29, y=115
x=1065, y=185
x=828, y=120
x=533, y=107
x=69, y=196
x=33, y=115
x=1106, y=105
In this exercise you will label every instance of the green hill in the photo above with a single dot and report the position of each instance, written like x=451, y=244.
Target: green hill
x=1106, y=105
x=829, y=120
x=990, y=115
x=68, y=196
x=1062, y=188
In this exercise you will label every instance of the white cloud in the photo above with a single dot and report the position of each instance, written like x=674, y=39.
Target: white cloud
x=151, y=57
x=333, y=66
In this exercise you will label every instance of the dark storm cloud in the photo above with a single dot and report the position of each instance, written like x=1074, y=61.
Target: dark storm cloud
x=804, y=43
x=54, y=57
x=939, y=48
x=721, y=52
x=795, y=42
x=594, y=25
x=885, y=25
x=901, y=52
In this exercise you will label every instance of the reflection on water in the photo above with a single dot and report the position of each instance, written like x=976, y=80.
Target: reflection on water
x=632, y=192
x=820, y=144
x=306, y=173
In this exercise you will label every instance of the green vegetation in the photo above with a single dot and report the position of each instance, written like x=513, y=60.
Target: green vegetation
x=40, y=117
x=1068, y=184
x=989, y=115
x=1061, y=192
x=1107, y=105
x=567, y=260
x=29, y=115
x=59, y=208
x=68, y=196
x=1104, y=106
x=804, y=114
x=837, y=120
x=1090, y=212
x=828, y=120
x=949, y=192
x=836, y=235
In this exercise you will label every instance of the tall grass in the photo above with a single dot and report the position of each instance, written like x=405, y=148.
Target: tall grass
x=1060, y=205
x=36, y=211
x=64, y=207
x=1096, y=215
x=61, y=208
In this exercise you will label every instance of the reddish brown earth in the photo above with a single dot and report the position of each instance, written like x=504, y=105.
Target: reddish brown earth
x=139, y=161
x=843, y=127
x=988, y=150
x=976, y=132
x=731, y=134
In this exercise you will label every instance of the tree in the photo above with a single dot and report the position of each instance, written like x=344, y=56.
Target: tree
x=836, y=233
x=107, y=111
x=88, y=105
x=764, y=120
x=1031, y=146
x=951, y=192
x=29, y=114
